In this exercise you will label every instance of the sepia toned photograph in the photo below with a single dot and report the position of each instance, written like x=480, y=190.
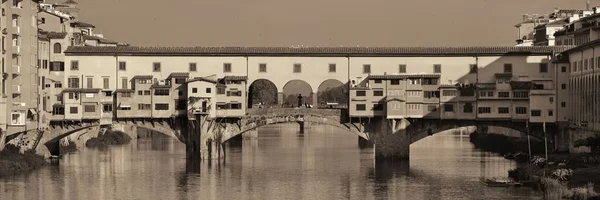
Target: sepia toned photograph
x=313, y=99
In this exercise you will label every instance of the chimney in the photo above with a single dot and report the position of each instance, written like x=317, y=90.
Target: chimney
x=587, y=5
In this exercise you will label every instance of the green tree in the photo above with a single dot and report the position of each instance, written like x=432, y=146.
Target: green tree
x=262, y=91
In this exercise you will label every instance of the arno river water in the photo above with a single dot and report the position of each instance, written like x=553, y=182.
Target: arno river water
x=324, y=163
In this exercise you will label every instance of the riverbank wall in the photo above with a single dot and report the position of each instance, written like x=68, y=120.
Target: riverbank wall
x=13, y=161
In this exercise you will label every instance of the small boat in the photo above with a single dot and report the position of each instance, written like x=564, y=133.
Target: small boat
x=493, y=182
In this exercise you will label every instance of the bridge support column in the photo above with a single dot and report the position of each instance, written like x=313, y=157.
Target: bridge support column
x=301, y=127
x=364, y=143
x=390, y=145
x=280, y=98
x=203, y=140
x=2, y=139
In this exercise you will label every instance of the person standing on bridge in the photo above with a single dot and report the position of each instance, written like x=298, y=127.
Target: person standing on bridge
x=299, y=100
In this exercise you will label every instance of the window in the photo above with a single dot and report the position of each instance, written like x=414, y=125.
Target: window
x=521, y=110
x=58, y=110
x=563, y=69
x=551, y=99
x=437, y=68
x=448, y=108
x=73, y=95
x=472, y=68
x=361, y=93
x=332, y=68
x=73, y=82
x=550, y=112
x=179, y=80
x=430, y=81
x=413, y=106
x=194, y=90
x=105, y=82
x=226, y=67
x=402, y=68
x=504, y=94
x=234, y=93
x=147, y=92
x=449, y=93
x=521, y=94
x=574, y=69
x=180, y=104
x=431, y=94
x=563, y=104
x=543, y=67
x=161, y=92
x=262, y=67
x=235, y=106
x=156, y=67
x=57, y=48
x=220, y=90
x=193, y=67
x=179, y=93
x=58, y=85
x=377, y=107
x=73, y=110
x=413, y=93
x=414, y=81
x=377, y=81
x=468, y=108
x=563, y=86
x=126, y=94
x=122, y=66
x=208, y=90
x=361, y=107
x=297, y=68
x=366, y=69
x=536, y=113
x=140, y=92
x=503, y=110
x=125, y=107
x=508, y=68
x=378, y=93
x=395, y=82
x=59, y=98
x=57, y=66
x=124, y=83
x=90, y=82
x=161, y=106
x=108, y=93
x=89, y=108
x=74, y=65
x=484, y=110
x=143, y=106
x=17, y=119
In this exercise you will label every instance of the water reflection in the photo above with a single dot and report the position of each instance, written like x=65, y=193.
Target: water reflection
x=323, y=163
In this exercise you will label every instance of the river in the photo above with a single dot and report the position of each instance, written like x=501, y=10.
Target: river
x=323, y=163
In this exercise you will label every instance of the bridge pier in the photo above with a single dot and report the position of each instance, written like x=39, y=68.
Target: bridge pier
x=203, y=139
x=301, y=123
x=364, y=143
x=390, y=144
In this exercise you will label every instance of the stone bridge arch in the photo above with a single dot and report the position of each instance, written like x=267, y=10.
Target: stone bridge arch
x=264, y=117
x=293, y=88
x=332, y=91
x=262, y=91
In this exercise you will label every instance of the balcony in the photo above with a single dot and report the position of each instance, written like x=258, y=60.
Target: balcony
x=16, y=69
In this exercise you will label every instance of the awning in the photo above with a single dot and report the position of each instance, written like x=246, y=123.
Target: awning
x=33, y=112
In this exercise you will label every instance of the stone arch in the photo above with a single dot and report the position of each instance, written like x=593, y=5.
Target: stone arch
x=332, y=91
x=262, y=91
x=293, y=88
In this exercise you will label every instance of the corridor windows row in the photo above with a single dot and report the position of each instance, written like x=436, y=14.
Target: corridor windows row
x=228, y=106
x=538, y=113
x=437, y=68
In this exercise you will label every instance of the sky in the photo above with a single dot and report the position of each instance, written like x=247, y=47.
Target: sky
x=390, y=23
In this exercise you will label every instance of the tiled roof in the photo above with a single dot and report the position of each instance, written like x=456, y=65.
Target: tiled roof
x=142, y=77
x=235, y=78
x=82, y=24
x=160, y=86
x=323, y=51
x=403, y=76
x=123, y=90
x=447, y=86
x=100, y=39
x=201, y=79
x=53, y=35
x=179, y=74
x=82, y=90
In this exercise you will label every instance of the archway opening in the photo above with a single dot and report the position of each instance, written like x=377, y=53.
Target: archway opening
x=297, y=93
x=263, y=92
x=332, y=94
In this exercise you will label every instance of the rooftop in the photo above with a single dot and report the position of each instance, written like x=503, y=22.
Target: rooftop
x=53, y=35
x=323, y=51
x=100, y=39
x=82, y=24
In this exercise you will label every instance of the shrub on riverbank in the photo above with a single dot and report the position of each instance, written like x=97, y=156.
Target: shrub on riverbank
x=555, y=189
x=503, y=144
x=12, y=161
x=108, y=138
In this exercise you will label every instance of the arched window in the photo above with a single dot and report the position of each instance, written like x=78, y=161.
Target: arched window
x=57, y=48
